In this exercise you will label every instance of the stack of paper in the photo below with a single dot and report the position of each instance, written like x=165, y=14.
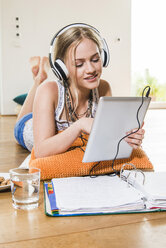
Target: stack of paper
x=103, y=194
x=155, y=186
x=153, y=189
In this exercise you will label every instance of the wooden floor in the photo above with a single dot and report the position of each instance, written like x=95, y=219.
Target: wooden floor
x=11, y=154
x=35, y=229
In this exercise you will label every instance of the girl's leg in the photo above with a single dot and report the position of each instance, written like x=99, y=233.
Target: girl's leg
x=39, y=68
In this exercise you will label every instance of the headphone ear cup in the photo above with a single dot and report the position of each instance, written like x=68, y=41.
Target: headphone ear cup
x=60, y=70
x=104, y=58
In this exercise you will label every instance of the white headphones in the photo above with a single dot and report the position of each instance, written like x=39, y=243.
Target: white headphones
x=58, y=66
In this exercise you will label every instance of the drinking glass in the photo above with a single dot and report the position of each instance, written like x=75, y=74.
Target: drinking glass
x=25, y=186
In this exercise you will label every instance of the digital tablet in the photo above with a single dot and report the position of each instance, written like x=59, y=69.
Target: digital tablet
x=114, y=117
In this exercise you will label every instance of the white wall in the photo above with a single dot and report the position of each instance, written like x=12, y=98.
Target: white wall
x=40, y=20
x=0, y=54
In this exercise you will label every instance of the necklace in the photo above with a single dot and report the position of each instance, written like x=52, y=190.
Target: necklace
x=80, y=115
x=72, y=114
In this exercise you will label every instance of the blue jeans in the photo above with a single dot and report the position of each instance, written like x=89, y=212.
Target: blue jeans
x=19, y=129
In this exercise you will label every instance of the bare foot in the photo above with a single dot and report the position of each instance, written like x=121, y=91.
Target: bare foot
x=35, y=63
x=43, y=70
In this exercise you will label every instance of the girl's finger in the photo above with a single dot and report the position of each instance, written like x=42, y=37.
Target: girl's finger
x=133, y=141
x=136, y=136
x=140, y=131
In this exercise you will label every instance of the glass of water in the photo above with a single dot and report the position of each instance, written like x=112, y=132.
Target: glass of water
x=25, y=186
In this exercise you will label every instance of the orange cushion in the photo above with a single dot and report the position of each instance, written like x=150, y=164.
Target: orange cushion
x=69, y=163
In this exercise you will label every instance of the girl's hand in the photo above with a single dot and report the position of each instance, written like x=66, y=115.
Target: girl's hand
x=85, y=124
x=135, y=140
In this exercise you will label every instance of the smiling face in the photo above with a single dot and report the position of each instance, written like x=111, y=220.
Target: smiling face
x=85, y=66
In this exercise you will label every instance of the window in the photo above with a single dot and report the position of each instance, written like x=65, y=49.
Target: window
x=149, y=49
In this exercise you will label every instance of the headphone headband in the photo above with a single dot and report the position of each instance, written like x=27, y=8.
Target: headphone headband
x=59, y=67
x=81, y=25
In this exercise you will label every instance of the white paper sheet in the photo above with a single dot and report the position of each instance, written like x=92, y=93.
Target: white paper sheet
x=102, y=192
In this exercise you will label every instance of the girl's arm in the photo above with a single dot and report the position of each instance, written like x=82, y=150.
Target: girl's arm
x=46, y=141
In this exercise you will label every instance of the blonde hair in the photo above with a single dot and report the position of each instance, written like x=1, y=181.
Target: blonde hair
x=72, y=38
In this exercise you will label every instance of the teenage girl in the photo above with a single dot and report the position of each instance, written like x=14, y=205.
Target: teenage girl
x=68, y=105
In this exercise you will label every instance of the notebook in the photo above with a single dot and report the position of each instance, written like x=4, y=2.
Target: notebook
x=106, y=194
x=114, y=117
